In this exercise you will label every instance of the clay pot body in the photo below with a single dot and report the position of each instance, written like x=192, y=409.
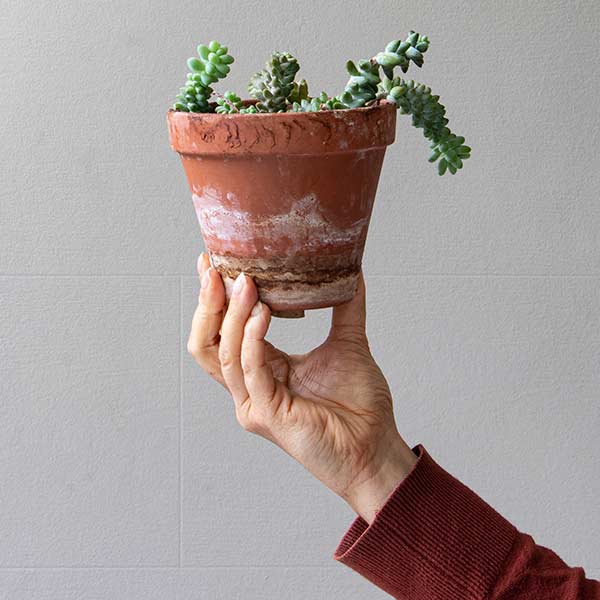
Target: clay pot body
x=286, y=197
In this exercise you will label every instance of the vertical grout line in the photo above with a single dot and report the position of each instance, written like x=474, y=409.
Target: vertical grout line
x=180, y=456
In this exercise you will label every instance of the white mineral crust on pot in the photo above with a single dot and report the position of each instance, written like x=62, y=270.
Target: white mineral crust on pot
x=304, y=225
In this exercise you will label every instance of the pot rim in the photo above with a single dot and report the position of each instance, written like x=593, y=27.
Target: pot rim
x=249, y=102
x=309, y=133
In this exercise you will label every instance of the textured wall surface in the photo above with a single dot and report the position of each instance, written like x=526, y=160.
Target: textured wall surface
x=123, y=474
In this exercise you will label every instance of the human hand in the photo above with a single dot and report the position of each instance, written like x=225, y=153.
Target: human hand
x=330, y=409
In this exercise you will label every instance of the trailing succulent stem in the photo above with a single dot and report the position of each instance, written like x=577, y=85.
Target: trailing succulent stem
x=361, y=89
x=429, y=114
x=274, y=89
x=400, y=54
x=365, y=88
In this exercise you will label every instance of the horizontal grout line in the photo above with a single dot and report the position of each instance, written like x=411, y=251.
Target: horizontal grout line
x=89, y=276
x=199, y=568
x=493, y=275
x=368, y=275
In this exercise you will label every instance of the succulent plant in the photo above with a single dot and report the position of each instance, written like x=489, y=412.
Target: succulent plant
x=230, y=102
x=299, y=92
x=365, y=88
x=371, y=81
x=211, y=65
x=194, y=96
x=362, y=85
x=429, y=114
x=249, y=110
x=273, y=86
x=315, y=104
x=400, y=54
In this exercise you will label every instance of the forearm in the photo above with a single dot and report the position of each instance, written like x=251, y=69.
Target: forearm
x=436, y=539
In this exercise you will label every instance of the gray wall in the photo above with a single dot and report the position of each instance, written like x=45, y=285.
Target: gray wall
x=123, y=474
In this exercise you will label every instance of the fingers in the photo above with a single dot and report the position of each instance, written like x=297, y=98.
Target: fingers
x=351, y=316
x=258, y=374
x=203, y=342
x=243, y=298
x=233, y=350
x=203, y=264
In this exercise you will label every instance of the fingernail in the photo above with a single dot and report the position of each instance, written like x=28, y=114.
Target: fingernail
x=199, y=262
x=205, y=278
x=256, y=309
x=238, y=286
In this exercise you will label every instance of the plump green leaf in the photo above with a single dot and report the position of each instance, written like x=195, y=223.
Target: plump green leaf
x=222, y=69
x=195, y=64
x=387, y=59
x=393, y=46
x=434, y=155
x=351, y=68
x=415, y=56
x=412, y=38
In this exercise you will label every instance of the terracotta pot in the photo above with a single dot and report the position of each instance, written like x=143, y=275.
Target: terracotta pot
x=286, y=197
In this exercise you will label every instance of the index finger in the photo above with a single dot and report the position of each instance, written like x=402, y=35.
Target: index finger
x=204, y=339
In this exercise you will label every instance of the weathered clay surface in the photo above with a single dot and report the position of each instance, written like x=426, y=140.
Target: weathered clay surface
x=286, y=197
x=289, y=133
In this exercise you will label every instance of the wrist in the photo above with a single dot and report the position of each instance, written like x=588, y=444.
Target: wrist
x=369, y=494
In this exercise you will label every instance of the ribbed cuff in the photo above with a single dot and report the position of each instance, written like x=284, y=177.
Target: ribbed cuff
x=434, y=539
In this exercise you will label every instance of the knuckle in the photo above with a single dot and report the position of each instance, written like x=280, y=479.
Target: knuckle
x=226, y=358
x=251, y=420
x=247, y=366
x=247, y=422
x=205, y=314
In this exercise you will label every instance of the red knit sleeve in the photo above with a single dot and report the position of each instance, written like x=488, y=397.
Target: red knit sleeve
x=435, y=539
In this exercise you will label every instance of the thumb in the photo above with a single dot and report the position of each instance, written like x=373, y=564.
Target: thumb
x=351, y=315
